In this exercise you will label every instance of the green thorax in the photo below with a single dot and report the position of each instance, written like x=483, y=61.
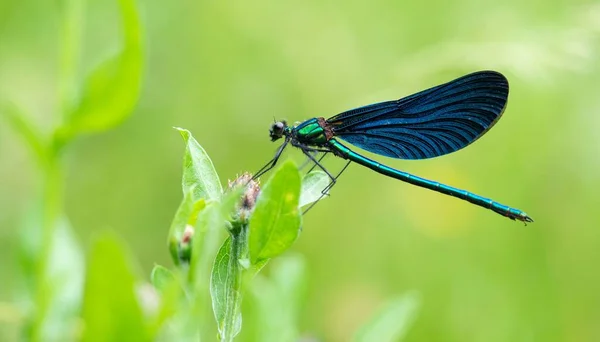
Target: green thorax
x=311, y=132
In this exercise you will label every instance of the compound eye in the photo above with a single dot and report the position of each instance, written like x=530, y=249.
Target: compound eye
x=276, y=130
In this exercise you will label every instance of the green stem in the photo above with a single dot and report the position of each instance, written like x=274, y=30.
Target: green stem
x=51, y=211
x=52, y=192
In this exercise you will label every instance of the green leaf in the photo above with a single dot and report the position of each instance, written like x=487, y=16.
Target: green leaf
x=207, y=239
x=226, y=288
x=71, y=31
x=61, y=283
x=279, y=299
x=66, y=276
x=111, y=311
x=112, y=89
x=209, y=231
x=289, y=276
x=24, y=127
x=312, y=186
x=161, y=277
x=392, y=322
x=172, y=307
x=275, y=223
x=185, y=218
x=198, y=170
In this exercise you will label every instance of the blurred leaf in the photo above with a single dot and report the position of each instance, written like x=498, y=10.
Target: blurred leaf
x=173, y=314
x=176, y=319
x=61, y=282
x=289, y=274
x=226, y=288
x=110, y=309
x=71, y=30
x=280, y=298
x=148, y=298
x=312, y=187
x=275, y=223
x=65, y=279
x=161, y=277
x=185, y=216
x=112, y=89
x=171, y=291
x=392, y=322
x=198, y=170
x=24, y=127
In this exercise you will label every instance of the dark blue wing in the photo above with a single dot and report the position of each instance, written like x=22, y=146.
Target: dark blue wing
x=431, y=123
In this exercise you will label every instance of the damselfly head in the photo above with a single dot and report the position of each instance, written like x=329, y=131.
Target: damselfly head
x=277, y=130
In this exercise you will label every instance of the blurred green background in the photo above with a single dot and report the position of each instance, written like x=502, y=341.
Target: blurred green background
x=224, y=70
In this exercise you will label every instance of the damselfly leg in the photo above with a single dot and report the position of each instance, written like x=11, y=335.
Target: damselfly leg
x=333, y=179
x=271, y=164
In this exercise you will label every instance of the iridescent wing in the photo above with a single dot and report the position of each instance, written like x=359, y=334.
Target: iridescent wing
x=431, y=123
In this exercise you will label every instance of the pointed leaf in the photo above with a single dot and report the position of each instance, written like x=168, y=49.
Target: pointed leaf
x=275, y=223
x=392, y=322
x=112, y=89
x=198, y=170
x=161, y=277
x=312, y=186
x=111, y=311
x=226, y=289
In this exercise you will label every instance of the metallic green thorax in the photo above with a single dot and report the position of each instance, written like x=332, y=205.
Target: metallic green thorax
x=310, y=132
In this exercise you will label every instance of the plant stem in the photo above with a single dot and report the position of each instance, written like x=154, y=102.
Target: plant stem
x=51, y=211
x=52, y=192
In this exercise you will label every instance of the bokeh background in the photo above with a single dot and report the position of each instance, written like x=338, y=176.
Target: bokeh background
x=225, y=69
